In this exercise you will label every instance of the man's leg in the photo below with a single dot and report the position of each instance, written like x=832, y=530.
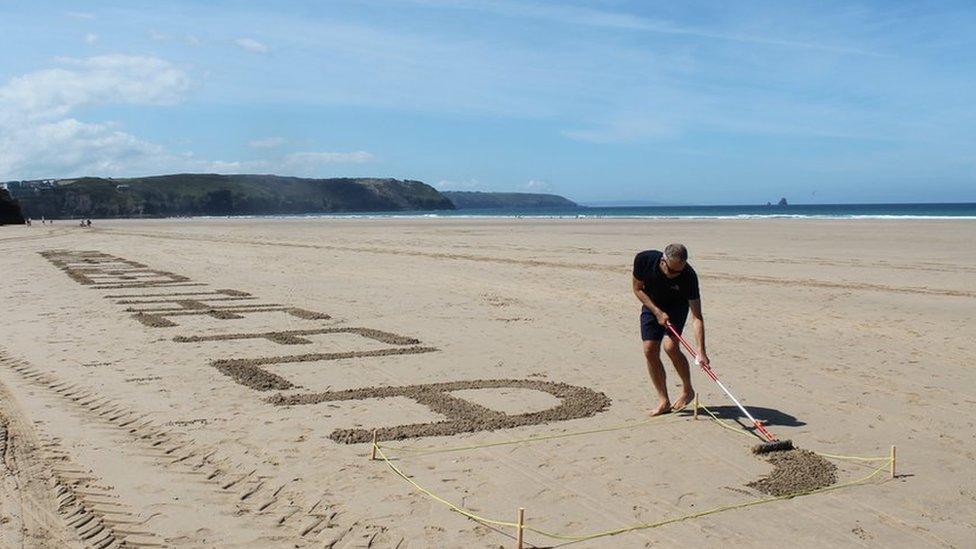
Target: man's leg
x=652, y=352
x=673, y=349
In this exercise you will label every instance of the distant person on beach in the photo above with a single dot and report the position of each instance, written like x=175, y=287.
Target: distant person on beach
x=667, y=288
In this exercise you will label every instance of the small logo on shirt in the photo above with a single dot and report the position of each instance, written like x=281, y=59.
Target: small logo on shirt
x=674, y=287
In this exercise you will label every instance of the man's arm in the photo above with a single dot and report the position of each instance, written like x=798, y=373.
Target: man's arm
x=661, y=316
x=699, y=322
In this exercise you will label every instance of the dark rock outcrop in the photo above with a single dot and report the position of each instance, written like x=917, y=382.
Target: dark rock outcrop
x=10, y=213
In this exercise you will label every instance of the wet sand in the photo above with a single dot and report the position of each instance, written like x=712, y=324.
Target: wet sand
x=208, y=383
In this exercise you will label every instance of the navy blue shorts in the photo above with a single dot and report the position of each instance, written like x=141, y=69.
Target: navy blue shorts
x=652, y=331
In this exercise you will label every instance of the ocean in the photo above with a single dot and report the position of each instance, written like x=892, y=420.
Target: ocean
x=812, y=211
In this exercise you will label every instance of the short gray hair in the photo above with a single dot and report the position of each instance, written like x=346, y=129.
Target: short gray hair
x=676, y=251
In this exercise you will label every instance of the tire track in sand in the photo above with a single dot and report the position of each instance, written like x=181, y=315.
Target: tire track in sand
x=92, y=509
x=284, y=511
x=52, y=502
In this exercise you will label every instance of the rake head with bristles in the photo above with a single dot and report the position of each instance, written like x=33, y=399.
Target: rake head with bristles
x=773, y=446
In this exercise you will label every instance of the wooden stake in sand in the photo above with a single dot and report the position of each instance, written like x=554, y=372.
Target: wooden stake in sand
x=521, y=526
x=372, y=453
x=696, y=406
x=892, y=461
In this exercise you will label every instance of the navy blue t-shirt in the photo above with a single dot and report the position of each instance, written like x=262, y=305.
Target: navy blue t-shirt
x=664, y=291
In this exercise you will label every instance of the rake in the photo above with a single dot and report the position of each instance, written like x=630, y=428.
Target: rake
x=772, y=444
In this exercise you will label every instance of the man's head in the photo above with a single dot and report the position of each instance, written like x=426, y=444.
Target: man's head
x=675, y=258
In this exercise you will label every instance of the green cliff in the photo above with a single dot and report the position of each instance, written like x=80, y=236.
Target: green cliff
x=483, y=200
x=213, y=194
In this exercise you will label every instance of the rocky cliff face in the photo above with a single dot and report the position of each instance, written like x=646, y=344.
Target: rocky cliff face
x=10, y=213
x=213, y=194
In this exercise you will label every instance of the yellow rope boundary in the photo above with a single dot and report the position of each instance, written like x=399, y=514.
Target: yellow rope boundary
x=643, y=526
x=712, y=511
x=416, y=452
x=622, y=426
x=455, y=508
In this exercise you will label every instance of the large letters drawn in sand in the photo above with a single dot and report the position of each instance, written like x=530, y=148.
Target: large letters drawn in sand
x=103, y=271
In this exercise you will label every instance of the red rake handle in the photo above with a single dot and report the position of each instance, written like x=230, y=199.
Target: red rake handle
x=708, y=371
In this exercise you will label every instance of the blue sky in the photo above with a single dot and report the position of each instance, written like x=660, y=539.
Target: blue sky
x=667, y=102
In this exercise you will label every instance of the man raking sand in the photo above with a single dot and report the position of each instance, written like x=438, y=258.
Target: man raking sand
x=667, y=287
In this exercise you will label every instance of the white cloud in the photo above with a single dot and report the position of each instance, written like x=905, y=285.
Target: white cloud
x=356, y=157
x=629, y=126
x=267, y=142
x=91, y=38
x=591, y=17
x=187, y=39
x=38, y=138
x=81, y=16
x=224, y=166
x=537, y=186
x=469, y=185
x=251, y=45
x=94, y=81
x=69, y=147
x=311, y=163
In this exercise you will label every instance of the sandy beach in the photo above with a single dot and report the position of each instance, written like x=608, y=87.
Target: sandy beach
x=218, y=382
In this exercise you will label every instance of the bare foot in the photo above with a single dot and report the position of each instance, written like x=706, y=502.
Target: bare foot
x=662, y=408
x=683, y=400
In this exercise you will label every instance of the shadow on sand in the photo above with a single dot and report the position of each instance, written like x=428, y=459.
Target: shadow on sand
x=769, y=416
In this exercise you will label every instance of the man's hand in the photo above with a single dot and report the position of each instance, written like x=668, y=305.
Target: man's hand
x=663, y=318
x=702, y=358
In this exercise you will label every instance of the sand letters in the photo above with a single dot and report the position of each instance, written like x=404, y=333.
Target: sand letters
x=294, y=337
x=464, y=416
x=102, y=270
x=248, y=372
x=162, y=318
x=99, y=270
